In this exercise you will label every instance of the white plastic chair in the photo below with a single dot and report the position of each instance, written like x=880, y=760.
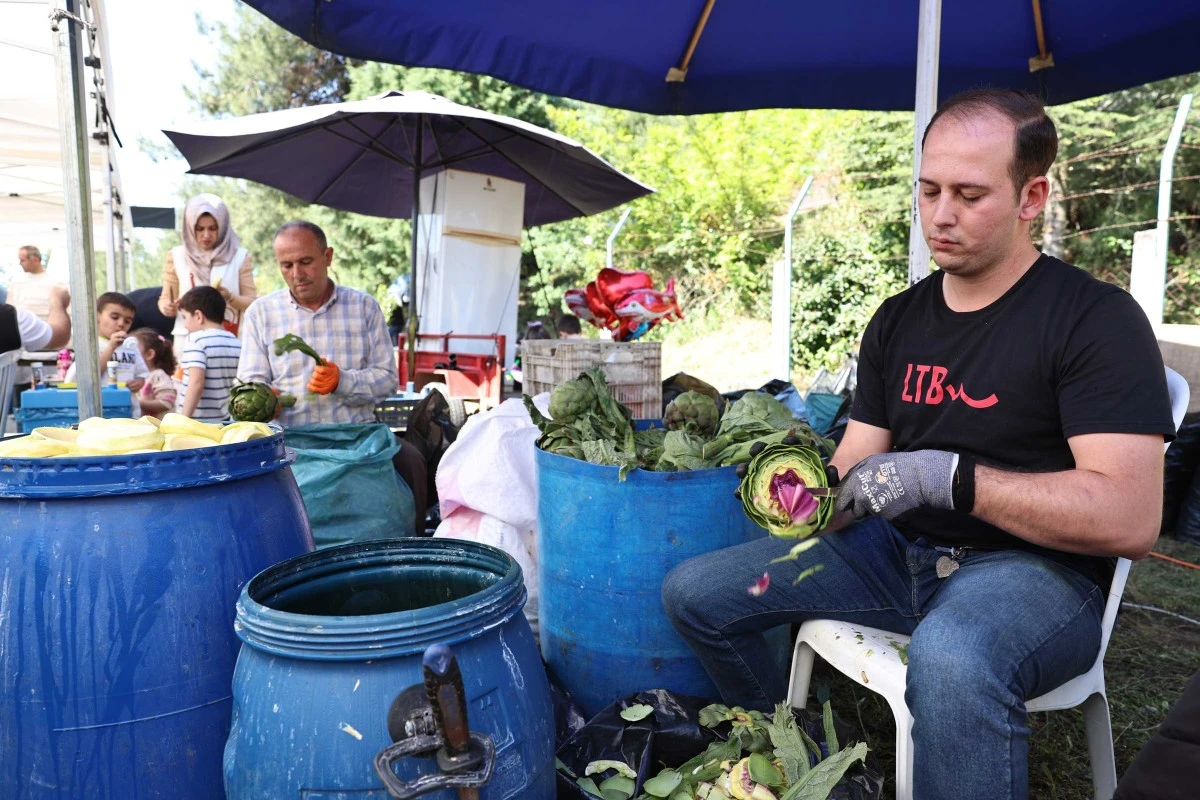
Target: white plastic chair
x=871, y=657
x=8, y=374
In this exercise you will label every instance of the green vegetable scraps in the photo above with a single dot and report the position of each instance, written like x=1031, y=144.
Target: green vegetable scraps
x=755, y=756
x=636, y=712
x=587, y=423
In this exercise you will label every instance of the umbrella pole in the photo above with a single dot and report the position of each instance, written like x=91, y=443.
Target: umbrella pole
x=413, y=325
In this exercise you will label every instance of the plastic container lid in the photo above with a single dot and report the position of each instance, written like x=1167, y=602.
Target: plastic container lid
x=88, y=476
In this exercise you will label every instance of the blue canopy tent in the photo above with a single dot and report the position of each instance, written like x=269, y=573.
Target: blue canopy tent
x=698, y=56
x=761, y=53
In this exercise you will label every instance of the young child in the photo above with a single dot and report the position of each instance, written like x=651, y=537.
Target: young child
x=114, y=318
x=210, y=356
x=159, y=394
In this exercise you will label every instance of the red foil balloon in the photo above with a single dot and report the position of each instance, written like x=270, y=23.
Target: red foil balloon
x=614, y=284
x=599, y=308
x=576, y=300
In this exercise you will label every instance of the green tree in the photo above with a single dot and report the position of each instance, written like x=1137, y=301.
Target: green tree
x=1108, y=169
x=264, y=68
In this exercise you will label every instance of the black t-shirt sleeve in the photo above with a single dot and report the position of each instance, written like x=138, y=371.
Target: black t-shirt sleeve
x=870, y=397
x=10, y=329
x=1112, y=378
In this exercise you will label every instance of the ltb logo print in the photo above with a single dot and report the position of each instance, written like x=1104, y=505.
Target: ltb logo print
x=928, y=386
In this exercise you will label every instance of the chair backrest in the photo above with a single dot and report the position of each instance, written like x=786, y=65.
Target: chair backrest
x=1180, y=394
x=8, y=374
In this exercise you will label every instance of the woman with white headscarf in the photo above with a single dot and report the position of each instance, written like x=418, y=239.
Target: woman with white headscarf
x=211, y=255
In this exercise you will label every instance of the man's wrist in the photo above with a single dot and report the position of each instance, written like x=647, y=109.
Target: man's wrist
x=963, y=484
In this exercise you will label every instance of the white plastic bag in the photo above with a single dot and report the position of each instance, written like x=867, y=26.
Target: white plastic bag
x=490, y=466
x=487, y=487
x=476, y=526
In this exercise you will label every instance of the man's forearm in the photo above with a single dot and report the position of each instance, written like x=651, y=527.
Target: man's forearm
x=367, y=384
x=60, y=326
x=1078, y=511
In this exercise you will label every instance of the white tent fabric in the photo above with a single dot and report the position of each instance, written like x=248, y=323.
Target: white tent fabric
x=31, y=190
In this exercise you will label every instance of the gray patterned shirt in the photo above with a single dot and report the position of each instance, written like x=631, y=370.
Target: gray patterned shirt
x=349, y=330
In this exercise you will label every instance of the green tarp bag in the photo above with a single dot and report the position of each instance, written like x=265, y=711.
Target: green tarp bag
x=350, y=489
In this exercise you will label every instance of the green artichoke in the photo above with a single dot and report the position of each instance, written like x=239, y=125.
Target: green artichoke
x=572, y=400
x=775, y=491
x=257, y=402
x=693, y=412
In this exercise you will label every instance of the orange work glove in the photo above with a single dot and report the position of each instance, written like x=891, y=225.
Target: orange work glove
x=325, y=378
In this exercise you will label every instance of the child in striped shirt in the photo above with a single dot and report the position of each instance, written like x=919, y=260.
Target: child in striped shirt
x=210, y=356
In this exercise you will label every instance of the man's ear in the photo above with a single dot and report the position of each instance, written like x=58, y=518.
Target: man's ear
x=1034, y=197
x=328, y=256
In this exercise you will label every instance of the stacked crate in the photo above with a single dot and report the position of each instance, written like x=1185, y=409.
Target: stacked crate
x=633, y=369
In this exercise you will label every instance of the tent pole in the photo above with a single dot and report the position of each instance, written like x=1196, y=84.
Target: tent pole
x=929, y=34
x=114, y=282
x=413, y=324
x=68, y=62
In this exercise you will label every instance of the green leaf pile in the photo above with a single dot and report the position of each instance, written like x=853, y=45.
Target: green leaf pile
x=772, y=752
x=587, y=423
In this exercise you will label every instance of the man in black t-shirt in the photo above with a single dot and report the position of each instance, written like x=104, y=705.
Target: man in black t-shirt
x=1005, y=444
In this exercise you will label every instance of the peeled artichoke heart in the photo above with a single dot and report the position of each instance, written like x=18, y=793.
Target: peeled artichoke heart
x=105, y=422
x=186, y=441
x=775, y=491
x=31, y=447
x=65, y=435
x=178, y=424
x=114, y=437
x=244, y=432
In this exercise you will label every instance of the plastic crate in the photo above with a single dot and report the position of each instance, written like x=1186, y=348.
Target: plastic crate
x=59, y=408
x=633, y=369
x=394, y=411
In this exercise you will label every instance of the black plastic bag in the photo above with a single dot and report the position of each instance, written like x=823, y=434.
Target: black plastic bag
x=862, y=781
x=1179, y=468
x=568, y=716
x=673, y=734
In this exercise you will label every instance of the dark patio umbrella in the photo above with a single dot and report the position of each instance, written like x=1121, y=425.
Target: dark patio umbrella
x=369, y=156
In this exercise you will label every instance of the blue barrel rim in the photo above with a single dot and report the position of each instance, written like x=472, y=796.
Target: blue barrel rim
x=313, y=637
x=140, y=473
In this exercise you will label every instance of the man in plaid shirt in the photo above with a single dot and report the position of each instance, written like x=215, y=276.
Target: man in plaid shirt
x=344, y=325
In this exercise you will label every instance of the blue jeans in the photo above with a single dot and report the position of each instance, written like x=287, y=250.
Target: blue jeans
x=1006, y=626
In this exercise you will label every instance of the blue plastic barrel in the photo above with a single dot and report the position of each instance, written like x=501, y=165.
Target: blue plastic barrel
x=118, y=579
x=334, y=637
x=604, y=547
